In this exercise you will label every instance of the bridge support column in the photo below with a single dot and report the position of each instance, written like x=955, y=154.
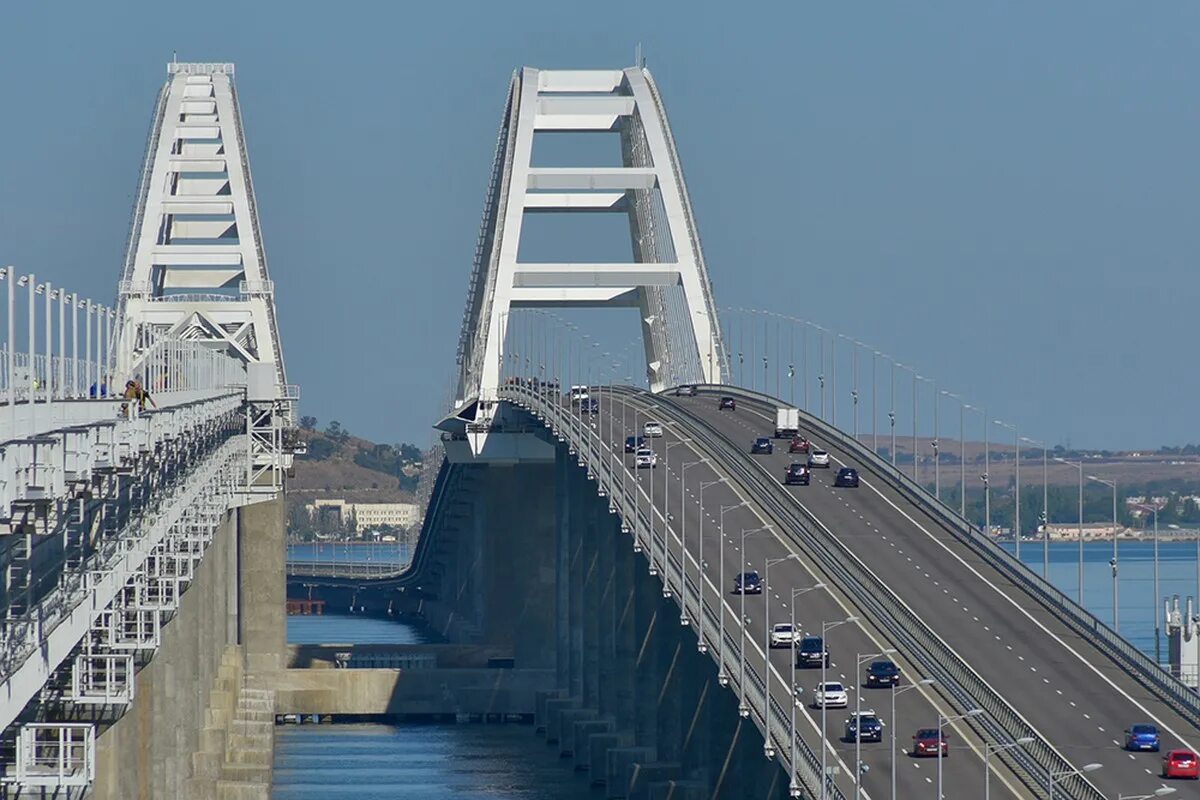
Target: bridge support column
x=262, y=585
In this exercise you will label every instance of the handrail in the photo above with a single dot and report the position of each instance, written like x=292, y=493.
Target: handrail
x=1167, y=687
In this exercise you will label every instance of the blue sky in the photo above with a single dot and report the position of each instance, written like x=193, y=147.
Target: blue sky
x=1004, y=195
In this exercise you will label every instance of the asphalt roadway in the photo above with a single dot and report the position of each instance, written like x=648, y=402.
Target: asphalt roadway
x=680, y=464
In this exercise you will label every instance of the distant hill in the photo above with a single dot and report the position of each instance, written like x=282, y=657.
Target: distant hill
x=338, y=464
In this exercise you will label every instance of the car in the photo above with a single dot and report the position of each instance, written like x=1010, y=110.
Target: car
x=866, y=721
x=1142, y=737
x=782, y=635
x=653, y=430
x=847, y=476
x=589, y=405
x=762, y=446
x=818, y=458
x=634, y=443
x=797, y=473
x=727, y=404
x=811, y=652
x=830, y=694
x=685, y=391
x=883, y=673
x=578, y=393
x=798, y=445
x=925, y=743
x=645, y=459
x=1181, y=764
x=747, y=583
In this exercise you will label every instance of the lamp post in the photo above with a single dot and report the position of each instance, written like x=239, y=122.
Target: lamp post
x=942, y=723
x=700, y=643
x=793, y=784
x=826, y=627
x=895, y=691
x=1113, y=563
x=874, y=412
x=1017, y=467
x=683, y=614
x=988, y=749
x=743, y=709
x=915, y=377
x=987, y=495
x=1045, y=508
x=962, y=454
x=860, y=658
x=666, y=556
x=722, y=676
x=1155, y=601
x=1078, y=466
x=934, y=444
x=1053, y=777
x=1161, y=791
x=768, y=745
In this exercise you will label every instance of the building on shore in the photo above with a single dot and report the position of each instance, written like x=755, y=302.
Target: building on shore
x=364, y=516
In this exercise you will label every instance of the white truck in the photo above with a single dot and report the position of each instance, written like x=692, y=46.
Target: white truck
x=787, y=422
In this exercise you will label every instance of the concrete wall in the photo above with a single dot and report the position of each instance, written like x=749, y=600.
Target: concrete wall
x=147, y=753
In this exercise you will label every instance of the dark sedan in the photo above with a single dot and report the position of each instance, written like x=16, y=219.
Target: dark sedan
x=797, y=474
x=634, y=443
x=727, y=404
x=847, y=476
x=762, y=446
x=883, y=673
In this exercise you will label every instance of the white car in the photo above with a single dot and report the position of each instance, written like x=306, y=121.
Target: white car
x=818, y=458
x=646, y=459
x=652, y=430
x=782, y=635
x=830, y=694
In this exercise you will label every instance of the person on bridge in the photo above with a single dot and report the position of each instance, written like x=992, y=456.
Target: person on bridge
x=135, y=391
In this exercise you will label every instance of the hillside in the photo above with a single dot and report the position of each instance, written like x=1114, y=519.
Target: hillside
x=340, y=465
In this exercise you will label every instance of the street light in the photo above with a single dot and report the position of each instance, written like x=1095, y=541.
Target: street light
x=683, y=617
x=895, y=725
x=768, y=745
x=722, y=677
x=962, y=454
x=987, y=468
x=700, y=643
x=825, y=628
x=1113, y=562
x=988, y=749
x=1052, y=777
x=793, y=784
x=937, y=473
x=666, y=557
x=743, y=709
x=1078, y=466
x=1045, y=508
x=1152, y=507
x=1017, y=467
x=858, y=717
x=1161, y=791
x=942, y=723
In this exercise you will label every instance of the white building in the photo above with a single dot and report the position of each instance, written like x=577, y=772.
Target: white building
x=366, y=515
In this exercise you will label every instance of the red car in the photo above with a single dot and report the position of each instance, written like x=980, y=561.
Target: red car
x=925, y=743
x=1181, y=764
x=799, y=445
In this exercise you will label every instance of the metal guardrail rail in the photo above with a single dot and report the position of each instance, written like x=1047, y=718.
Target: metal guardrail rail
x=1165, y=686
x=598, y=460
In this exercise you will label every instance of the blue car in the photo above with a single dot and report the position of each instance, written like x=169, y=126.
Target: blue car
x=762, y=445
x=1142, y=737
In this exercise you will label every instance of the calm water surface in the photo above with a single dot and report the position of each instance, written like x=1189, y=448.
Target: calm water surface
x=432, y=762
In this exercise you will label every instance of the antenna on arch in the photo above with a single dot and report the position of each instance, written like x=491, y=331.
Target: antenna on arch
x=639, y=58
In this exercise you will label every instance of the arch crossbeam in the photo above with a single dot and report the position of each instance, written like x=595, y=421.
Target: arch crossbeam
x=667, y=279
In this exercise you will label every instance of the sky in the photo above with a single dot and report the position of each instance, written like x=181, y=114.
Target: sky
x=1003, y=195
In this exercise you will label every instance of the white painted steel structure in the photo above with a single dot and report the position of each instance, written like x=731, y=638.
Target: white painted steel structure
x=667, y=280
x=106, y=508
x=195, y=266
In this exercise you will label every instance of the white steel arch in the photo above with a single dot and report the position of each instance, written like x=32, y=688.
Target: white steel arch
x=668, y=280
x=195, y=267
